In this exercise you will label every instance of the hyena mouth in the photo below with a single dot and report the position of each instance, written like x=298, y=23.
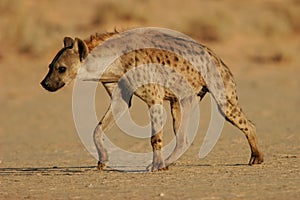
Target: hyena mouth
x=51, y=88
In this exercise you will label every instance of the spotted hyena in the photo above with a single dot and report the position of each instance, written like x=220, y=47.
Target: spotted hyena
x=65, y=65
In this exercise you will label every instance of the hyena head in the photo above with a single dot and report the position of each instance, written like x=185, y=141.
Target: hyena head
x=63, y=69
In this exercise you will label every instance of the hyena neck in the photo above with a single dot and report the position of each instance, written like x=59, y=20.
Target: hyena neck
x=89, y=74
x=98, y=38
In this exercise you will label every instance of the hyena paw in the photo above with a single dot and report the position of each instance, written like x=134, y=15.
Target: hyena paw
x=256, y=158
x=156, y=167
x=100, y=166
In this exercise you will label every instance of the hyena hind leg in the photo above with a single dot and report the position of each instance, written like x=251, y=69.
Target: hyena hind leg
x=235, y=116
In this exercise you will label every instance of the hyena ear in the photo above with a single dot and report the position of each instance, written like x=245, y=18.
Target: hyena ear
x=82, y=48
x=68, y=42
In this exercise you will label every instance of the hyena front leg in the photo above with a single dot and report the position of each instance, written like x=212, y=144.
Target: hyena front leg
x=107, y=122
x=156, y=117
x=104, y=125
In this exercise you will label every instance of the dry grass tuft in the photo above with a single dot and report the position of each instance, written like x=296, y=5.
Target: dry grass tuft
x=202, y=31
x=274, y=58
x=108, y=12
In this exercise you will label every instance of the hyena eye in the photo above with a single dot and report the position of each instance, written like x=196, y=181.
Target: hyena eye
x=62, y=69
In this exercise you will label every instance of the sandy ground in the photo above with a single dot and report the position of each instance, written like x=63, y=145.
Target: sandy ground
x=42, y=157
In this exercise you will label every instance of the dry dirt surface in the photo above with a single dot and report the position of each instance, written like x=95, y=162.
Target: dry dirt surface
x=41, y=155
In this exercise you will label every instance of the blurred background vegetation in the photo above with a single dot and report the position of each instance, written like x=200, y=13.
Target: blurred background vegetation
x=34, y=27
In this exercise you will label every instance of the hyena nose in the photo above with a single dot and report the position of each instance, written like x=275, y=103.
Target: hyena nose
x=48, y=86
x=43, y=83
